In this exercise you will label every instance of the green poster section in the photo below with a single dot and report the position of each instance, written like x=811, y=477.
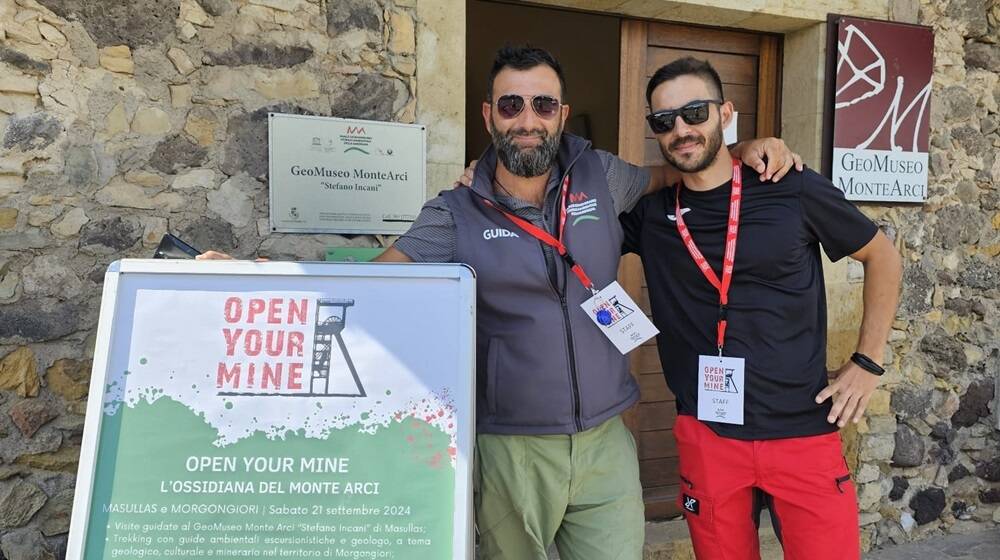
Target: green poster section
x=164, y=490
x=352, y=254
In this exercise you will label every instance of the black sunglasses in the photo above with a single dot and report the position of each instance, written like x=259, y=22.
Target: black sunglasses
x=695, y=112
x=511, y=105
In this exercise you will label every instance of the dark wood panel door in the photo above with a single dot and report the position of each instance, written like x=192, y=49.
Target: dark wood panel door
x=749, y=65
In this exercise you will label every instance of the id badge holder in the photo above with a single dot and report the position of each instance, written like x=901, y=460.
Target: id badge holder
x=619, y=318
x=721, y=389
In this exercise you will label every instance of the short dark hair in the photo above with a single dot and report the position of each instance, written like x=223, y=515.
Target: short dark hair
x=687, y=66
x=524, y=57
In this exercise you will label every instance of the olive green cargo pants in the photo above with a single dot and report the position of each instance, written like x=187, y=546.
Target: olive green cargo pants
x=581, y=491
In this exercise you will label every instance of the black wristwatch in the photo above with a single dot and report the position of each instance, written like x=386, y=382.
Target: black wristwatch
x=867, y=364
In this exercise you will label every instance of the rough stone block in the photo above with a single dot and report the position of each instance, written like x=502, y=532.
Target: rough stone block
x=403, y=36
x=945, y=352
x=18, y=369
x=982, y=55
x=958, y=473
x=196, y=178
x=246, y=140
x=31, y=414
x=201, y=125
x=63, y=460
x=120, y=22
x=911, y=402
x=371, y=96
x=31, y=132
x=181, y=61
x=899, y=487
x=192, y=12
x=117, y=121
x=877, y=448
x=42, y=217
x=177, y=153
x=233, y=201
x=19, y=84
x=24, y=62
x=974, y=403
x=264, y=55
x=180, y=95
x=348, y=15
x=989, y=470
x=281, y=84
x=55, y=515
x=151, y=121
x=927, y=505
x=8, y=218
x=36, y=320
x=19, y=502
x=283, y=5
x=980, y=274
x=153, y=229
x=210, y=234
x=144, y=178
x=217, y=7
x=117, y=59
x=69, y=378
x=25, y=544
x=51, y=34
x=70, y=224
x=109, y=236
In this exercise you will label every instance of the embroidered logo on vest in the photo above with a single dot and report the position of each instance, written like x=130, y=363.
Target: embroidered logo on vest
x=497, y=233
x=582, y=207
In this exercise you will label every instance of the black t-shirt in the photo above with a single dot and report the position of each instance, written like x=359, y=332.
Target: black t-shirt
x=777, y=303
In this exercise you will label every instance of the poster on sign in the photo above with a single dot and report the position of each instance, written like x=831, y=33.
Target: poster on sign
x=279, y=410
x=883, y=73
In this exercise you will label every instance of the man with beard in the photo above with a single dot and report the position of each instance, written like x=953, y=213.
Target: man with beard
x=540, y=226
x=743, y=331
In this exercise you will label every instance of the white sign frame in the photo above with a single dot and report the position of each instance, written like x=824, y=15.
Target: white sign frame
x=391, y=210
x=463, y=543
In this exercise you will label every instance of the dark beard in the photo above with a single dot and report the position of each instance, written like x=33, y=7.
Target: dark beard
x=712, y=144
x=526, y=162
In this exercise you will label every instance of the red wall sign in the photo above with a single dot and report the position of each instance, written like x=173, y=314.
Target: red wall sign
x=882, y=109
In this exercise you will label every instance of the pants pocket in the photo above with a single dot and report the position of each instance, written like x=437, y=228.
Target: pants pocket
x=699, y=513
x=697, y=507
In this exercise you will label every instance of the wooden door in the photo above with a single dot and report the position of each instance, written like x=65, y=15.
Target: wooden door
x=749, y=65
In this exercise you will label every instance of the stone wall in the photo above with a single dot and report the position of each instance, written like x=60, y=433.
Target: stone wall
x=927, y=458
x=121, y=120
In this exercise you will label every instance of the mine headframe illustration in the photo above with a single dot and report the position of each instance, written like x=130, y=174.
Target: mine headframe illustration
x=331, y=318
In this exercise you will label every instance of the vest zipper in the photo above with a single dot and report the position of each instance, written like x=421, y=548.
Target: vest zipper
x=572, y=364
x=571, y=350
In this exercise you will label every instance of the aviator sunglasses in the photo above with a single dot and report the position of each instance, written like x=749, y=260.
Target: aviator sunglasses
x=511, y=105
x=695, y=112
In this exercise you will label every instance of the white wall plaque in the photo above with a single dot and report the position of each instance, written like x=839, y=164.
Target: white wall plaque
x=333, y=175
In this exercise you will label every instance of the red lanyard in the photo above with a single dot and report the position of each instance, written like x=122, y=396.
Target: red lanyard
x=546, y=237
x=728, y=259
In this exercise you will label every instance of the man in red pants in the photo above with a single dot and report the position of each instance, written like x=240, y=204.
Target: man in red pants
x=736, y=288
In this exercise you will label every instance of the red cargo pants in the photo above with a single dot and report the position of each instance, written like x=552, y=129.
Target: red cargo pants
x=804, y=481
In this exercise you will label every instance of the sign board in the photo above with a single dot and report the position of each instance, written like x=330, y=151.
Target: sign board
x=882, y=109
x=279, y=410
x=332, y=175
